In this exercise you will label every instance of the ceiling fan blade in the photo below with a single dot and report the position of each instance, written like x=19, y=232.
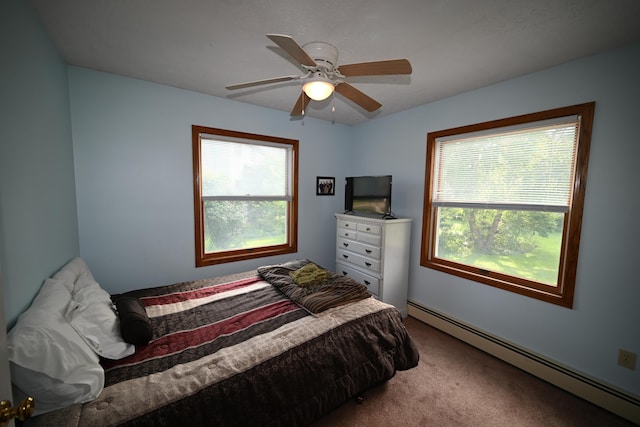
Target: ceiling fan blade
x=376, y=68
x=365, y=101
x=262, y=82
x=303, y=101
x=292, y=48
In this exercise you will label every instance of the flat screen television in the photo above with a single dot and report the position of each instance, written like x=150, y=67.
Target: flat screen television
x=368, y=195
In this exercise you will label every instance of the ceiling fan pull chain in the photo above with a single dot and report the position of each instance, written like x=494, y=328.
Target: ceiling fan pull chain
x=333, y=107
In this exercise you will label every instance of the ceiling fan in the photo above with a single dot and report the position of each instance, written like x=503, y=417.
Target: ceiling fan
x=324, y=75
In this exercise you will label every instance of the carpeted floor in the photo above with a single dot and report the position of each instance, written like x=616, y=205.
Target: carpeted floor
x=456, y=384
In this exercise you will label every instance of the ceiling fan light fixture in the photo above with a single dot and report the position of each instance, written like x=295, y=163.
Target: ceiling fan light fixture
x=318, y=88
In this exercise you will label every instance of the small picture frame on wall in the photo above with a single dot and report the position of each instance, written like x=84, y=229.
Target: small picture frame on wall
x=325, y=186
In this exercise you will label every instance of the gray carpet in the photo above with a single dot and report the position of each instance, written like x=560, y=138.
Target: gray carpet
x=456, y=384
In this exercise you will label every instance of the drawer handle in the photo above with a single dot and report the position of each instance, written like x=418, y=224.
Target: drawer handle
x=368, y=229
x=346, y=234
x=344, y=273
x=366, y=282
x=368, y=251
x=346, y=245
x=346, y=225
x=345, y=256
x=368, y=264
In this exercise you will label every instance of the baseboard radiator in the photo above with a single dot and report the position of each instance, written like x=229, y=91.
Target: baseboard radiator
x=606, y=396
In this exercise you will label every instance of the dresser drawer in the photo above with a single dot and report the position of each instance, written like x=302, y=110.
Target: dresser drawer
x=372, y=283
x=348, y=233
x=369, y=228
x=372, y=239
x=358, y=260
x=349, y=225
x=359, y=248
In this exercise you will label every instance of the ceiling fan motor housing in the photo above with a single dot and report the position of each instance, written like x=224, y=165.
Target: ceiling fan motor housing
x=325, y=54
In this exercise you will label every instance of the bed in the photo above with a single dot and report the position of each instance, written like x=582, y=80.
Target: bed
x=278, y=346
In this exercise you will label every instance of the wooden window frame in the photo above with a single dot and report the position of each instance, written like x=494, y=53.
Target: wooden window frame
x=290, y=246
x=563, y=293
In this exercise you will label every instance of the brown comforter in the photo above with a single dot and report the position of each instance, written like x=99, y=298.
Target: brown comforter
x=235, y=351
x=335, y=291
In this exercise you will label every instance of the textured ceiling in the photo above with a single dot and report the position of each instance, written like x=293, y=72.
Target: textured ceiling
x=454, y=45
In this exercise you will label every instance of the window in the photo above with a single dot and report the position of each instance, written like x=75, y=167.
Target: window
x=245, y=195
x=503, y=201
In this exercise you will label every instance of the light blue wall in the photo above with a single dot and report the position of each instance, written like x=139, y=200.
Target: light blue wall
x=132, y=144
x=38, y=220
x=606, y=315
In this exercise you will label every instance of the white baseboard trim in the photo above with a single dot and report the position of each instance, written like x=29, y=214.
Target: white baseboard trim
x=606, y=396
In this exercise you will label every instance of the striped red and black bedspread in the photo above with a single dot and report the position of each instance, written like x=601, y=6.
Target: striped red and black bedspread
x=236, y=351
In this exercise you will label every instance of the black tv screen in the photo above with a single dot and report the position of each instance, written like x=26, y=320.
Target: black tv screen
x=368, y=194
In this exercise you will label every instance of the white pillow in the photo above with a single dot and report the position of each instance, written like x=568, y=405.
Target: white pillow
x=74, y=271
x=48, y=359
x=92, y=313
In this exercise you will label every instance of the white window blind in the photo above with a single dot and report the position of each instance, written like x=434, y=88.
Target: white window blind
x=238, y=170
x=528, y=168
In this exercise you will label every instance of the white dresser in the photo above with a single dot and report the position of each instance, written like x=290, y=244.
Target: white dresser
x=375, y=252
